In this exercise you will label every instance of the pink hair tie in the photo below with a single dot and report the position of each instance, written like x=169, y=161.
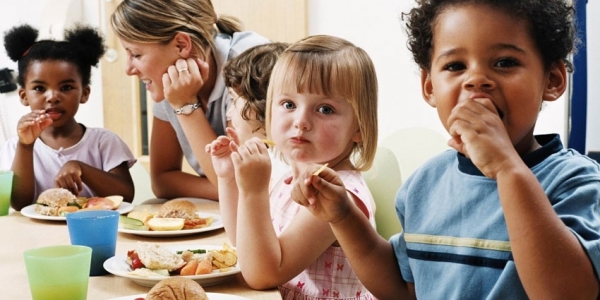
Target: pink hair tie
x=27, y=51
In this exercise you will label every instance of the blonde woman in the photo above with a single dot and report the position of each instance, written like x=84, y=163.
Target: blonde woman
x=178, y=48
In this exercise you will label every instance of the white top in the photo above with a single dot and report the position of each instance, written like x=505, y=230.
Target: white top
x=99, y=148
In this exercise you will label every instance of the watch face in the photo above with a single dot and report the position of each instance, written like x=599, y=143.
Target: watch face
x=186, y=110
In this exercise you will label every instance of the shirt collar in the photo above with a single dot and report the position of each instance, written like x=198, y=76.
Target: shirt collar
x=550, y=143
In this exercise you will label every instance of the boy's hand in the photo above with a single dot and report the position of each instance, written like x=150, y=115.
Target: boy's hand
x=31, y=125
x=220, y=152
x=479, y=133
x=69, y=177
x=252, y=166
x=324, y=194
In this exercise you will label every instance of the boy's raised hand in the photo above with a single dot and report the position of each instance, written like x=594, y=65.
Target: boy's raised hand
x=31, y=125
x=220, y=152
x=323, y=194
x=478, y=132
x=252, y=166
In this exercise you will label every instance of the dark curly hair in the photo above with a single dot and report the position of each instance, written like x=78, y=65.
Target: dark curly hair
x=552, y=26
x=83, y=47
x=248, y=75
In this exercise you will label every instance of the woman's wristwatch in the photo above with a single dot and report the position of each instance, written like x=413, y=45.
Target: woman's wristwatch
x=187, y=109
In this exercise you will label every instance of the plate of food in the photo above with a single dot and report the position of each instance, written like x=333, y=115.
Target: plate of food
x=149, y=263
x=174, y=218
x=211, y=296
x=53, y=204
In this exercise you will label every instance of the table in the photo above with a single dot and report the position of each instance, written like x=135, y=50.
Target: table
x=20, y=233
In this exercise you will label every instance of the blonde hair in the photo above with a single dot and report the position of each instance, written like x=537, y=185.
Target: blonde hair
x=332, y=66
x=157, y=21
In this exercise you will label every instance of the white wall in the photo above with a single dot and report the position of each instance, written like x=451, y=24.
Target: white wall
x=373, y=25
x=376, y=27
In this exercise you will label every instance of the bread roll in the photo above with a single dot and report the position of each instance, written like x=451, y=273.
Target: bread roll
x=176, y=288
x=178, y=208
x=52, y=199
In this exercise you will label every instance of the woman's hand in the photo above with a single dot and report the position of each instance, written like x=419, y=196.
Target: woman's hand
x=183, y=81
x=31, y=125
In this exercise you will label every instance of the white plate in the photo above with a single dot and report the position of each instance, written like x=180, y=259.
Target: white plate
x=216, y=224
x=29, y=211
x=118, y=266
x=211, y=296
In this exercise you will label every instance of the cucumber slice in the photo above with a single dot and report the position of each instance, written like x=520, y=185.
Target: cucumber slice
x=130, y=221
x=134, y=227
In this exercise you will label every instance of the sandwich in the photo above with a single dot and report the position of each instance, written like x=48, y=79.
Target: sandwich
x=176, y=288
x=183, y=209
x=154, y=257
x=52, y=201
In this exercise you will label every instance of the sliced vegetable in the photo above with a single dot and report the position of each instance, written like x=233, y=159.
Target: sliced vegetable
x=196, y=251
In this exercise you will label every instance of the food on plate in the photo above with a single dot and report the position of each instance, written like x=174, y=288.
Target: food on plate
x=225, y=258
x=59, y=202
x=166, y=224
x=197, y=267
x=175, y=214
x=184, y=209
x=99, y=203
x=132, y=223
x=176, y=288
x=155, y=257
x=117, y=200
x=67, y=209
x=143, y=216
x=51, y=200
x=149, y=259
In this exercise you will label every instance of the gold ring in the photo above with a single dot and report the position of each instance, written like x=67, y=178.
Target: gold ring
x=181, y=70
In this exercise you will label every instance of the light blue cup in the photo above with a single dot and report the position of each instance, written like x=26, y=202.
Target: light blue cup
x=96, y=229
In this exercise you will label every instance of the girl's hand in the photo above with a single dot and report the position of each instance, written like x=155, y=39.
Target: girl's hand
x=183, y=81
x=324, y=194
x=252, y=166
x=478, y=132
x=220, y=152
x=69, y=177
x=31, y=125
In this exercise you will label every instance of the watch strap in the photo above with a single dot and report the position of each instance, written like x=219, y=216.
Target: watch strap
x=187, y=109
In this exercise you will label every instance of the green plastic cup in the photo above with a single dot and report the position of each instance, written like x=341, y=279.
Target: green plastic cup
x=6, y=178
x=58, y=272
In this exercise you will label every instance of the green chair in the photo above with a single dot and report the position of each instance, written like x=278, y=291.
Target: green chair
x=413, y=146
x=141, y=181
x=384, y=180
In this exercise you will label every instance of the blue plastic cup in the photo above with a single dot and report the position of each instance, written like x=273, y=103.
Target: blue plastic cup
x=96, y=229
